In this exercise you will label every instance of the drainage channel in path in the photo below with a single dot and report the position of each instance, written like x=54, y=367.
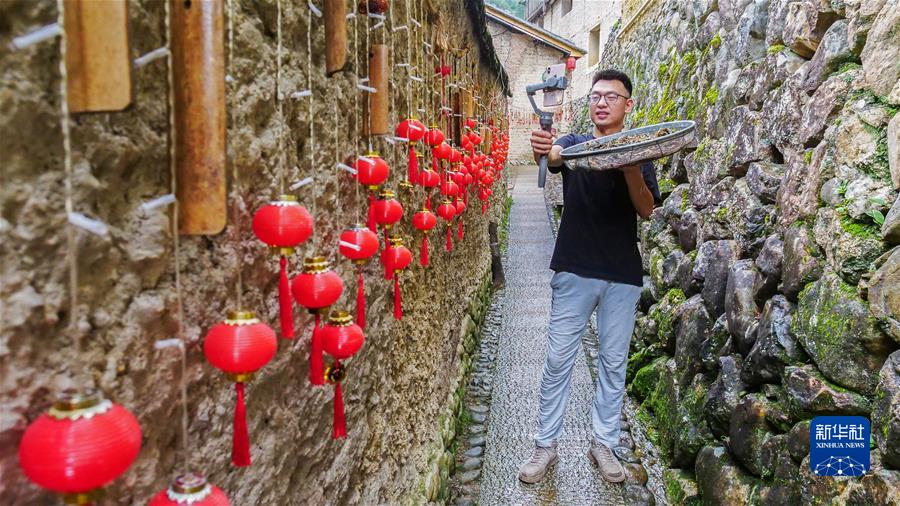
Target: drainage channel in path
x=502, y=394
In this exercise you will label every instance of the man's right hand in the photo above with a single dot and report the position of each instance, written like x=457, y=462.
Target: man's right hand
x=542, y=142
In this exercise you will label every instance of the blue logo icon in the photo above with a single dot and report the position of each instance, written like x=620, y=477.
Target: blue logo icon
x=839, y=445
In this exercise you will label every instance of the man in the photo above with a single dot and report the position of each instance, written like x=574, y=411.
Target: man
x=597, y=265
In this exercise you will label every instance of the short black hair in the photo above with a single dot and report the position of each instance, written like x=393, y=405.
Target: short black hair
x=613, y=75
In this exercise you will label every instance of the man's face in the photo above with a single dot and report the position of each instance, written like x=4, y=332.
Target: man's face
x=613, y=104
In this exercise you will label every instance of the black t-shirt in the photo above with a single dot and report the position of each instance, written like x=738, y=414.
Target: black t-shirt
x=598, y=232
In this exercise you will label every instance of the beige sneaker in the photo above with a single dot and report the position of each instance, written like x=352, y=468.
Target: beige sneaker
x=606, y=460
x=534, y=469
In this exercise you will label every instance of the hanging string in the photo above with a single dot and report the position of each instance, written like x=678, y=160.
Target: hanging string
x=71, y=245
x=357, y=136
x=409, y=61
x=176, y=242
x=279, y=101
x=368, y=57
x=235, y=176
x=312, y=122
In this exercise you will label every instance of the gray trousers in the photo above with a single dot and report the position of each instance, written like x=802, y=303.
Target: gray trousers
x=574, y=299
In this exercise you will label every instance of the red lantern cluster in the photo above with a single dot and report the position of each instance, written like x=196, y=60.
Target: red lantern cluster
x=316, y=288
x=240, y=346
x=190, y=489
x=283, y=225
x=341, y=338
x=81, y=445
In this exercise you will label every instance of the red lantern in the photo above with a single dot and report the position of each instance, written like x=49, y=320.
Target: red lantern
x=190, y=489
x=283, y=225
x=372, y=6
x=395, y=258
x=429, y=178
x=434, y=137
x=455, y=156
x=410, y=129
x=424, y=221
x=240, y=346
x=81, y=444
x=471, y=123
x=460, y=209
x=371, y=170
x=449, y=189
x=387, y=210
x=367, y=242
x=341, y=339
x=446, y=211
x=315, y=289
x=443, y=151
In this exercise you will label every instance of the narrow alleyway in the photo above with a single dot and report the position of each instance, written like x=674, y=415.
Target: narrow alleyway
x=517, y=377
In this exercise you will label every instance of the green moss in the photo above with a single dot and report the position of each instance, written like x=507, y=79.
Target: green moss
x=722, y=214
x=690, y=59
x=692, y=255
x=666, y=185
x=711, y=95
x=807, y=156
x=648, y=422
x=663, y=71
x=715, y=42
x=685, y=201
x=663, y=312
x=848, y=66
x=647, y=377
x=859, y=229
x=775, y=48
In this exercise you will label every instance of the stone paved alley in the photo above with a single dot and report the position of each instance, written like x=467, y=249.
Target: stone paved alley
x=517, y=376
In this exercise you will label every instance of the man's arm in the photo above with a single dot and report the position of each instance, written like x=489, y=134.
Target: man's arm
x=641, y=196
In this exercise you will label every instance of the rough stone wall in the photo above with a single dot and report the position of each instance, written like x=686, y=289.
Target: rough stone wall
x=525, y=60
x=397, y=386
x=774, y=264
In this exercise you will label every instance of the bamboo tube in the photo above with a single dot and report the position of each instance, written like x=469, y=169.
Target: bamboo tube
x=379, y=74
x=198, y=71
x=98, y=55
x=335, y=36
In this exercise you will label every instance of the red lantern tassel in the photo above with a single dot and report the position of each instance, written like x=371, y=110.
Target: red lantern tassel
x=483, y=208
x=466, y=197
x=423, y=254
x=449, y=238
x=434, y=164
x=413, y=164
x=316, y=368
x=285, y=302
x=428, y=201
x=339, y=426
x=459, y=232
x=398, y=304
x=360, y=301
x=240, y=442
x=371, y=217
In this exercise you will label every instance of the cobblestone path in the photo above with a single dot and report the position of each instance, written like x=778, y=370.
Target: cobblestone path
x=520, y=356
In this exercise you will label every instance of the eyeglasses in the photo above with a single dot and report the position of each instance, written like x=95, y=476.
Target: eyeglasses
x=611, y=98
